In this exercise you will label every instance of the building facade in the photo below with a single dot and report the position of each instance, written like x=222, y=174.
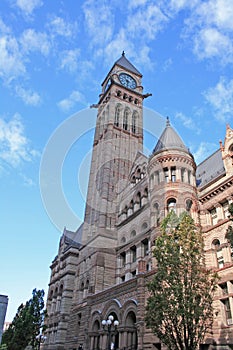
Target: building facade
x=105, y=272
x=3, y=309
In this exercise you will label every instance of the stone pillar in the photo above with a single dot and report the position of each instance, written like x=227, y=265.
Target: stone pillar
x=91, y=342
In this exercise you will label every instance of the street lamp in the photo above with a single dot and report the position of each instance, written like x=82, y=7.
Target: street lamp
x=41, y=339
x=111, y=326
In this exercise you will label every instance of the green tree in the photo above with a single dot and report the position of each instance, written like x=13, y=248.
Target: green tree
x=179, y=309
x=26, y=324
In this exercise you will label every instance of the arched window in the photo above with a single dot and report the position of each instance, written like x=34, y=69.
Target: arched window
x=171, y=205
x=117, y=116
x=134, y=122
x=126, y=119
x=123, y=239
x=188, y=204
x=218, y=251
x=156, y=206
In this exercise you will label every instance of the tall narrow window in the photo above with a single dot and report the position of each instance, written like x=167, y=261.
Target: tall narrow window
x=117, y=116
x=134, y=120
x=125, y=119
x=225, y=206
x=173, y=174
x=227, y=310
x=133, y=253
x=157, y=177
x=123, y=259
x=189, y=176
x=214, y=217
x=218, y=251
x=139, y=199
x=182, y=174
x=166, y=176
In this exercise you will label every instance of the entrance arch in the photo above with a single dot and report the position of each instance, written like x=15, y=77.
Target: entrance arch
x=130, y=338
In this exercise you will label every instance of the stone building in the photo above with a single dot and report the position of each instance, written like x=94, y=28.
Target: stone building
x=105, y=271
x=3, y=309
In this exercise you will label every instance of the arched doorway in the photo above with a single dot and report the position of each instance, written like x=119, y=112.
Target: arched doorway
x=131, y=340
x=95, y=336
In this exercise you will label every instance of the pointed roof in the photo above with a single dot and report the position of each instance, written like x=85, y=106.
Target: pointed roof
x=169, y=140
x=124, y=63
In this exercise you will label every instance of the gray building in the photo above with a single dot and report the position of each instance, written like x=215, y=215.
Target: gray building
x=3, y=308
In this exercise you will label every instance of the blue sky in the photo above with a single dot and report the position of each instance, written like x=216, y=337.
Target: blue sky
x=54, y=55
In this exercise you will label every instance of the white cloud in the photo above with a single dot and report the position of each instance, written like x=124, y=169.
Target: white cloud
x=4, y=29
x=167, y=64
x=187, y=122
x=67, y=104
x=35, y=41
x=210, y=43
x=28, y=6
x=220, y=98
x=146, y=21
x=210, y=27
x=29, y=97
x=69, y=60
x=58, y=26
x=218, y=13
x=135, y=3
x=11, y=60
x=27, y=181
x=117, y=45
x=14, y=145
x=99, y=21
x=204, y=150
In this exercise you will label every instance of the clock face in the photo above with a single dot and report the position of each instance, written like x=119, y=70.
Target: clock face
x=127, y=81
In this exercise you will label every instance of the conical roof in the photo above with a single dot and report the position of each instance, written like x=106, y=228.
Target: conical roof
x=124, y=63
x=169, y=140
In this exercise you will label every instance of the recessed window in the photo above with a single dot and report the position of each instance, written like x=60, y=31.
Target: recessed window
x=133, y=233
x=173, y=174
x=166, y=175
x=171, y=205
x=123, y=259
x=133, y=251
x=182, y=174
x=214, y=217
x=189, y=204
x=123, y=240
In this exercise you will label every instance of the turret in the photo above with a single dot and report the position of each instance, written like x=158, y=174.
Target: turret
x=172, y=181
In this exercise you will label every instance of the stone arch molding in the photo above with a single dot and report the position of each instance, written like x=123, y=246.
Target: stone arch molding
x=114, y=305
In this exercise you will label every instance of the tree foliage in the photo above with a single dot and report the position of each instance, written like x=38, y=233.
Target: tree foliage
x=179, y=309
x=26, y=323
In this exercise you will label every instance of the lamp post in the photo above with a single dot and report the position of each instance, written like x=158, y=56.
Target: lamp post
x=111, y=326
x=41, y=339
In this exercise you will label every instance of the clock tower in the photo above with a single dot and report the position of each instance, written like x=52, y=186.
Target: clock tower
x=118, y=138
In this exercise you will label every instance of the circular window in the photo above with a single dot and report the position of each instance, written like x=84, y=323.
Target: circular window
x=144, y=226
x=133, y=233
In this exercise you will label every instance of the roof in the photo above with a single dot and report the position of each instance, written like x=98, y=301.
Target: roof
x=73, y=238
x=124, y=63
x=210, y=169
x=169, y=140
